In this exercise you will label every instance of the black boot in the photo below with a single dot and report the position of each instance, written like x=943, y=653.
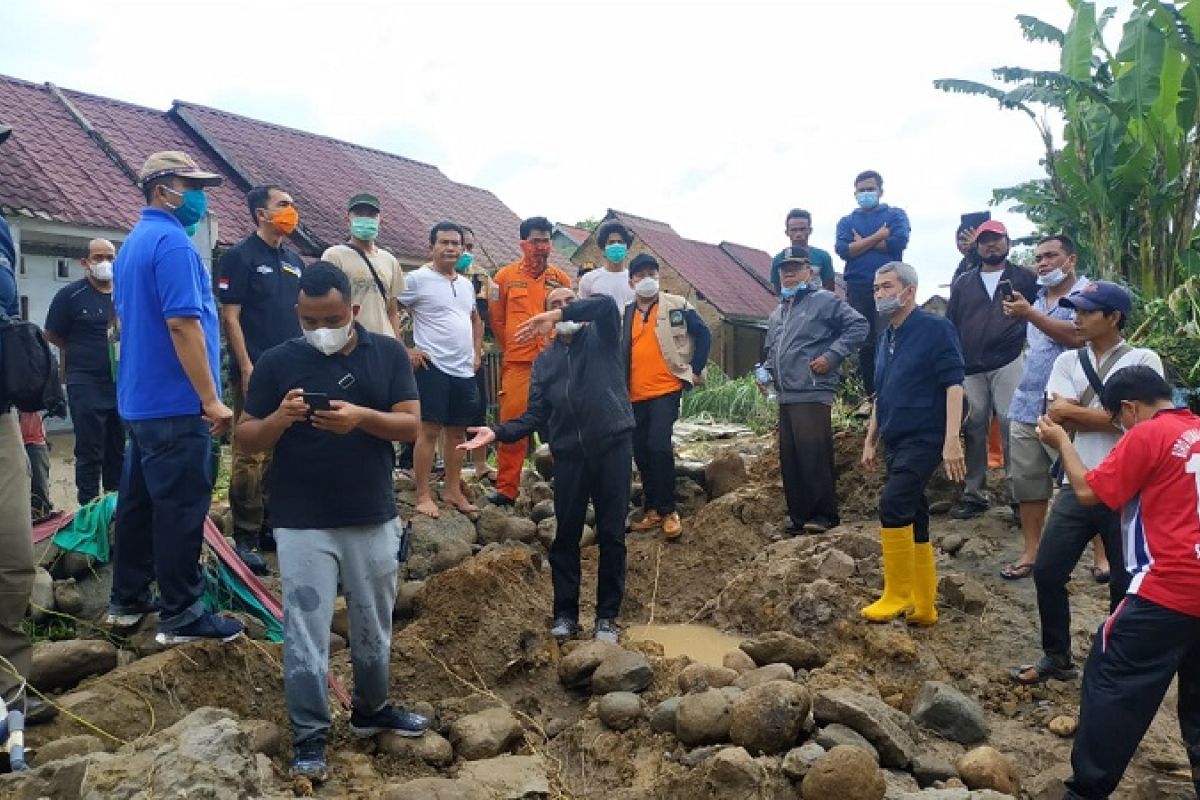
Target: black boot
x=246, y=546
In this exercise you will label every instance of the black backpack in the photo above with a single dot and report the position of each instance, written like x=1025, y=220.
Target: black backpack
x=28, y=369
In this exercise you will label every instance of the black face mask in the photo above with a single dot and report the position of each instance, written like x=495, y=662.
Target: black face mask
x=993, y=259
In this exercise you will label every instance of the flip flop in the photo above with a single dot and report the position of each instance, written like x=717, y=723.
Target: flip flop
x=1100, y=576
x=1044, y=670
x=1017, y=571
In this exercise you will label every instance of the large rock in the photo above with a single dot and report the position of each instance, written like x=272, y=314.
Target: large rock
x=437, y=789
x=520, y=529
x=768, y=718
x=620, y=710
x=205, y=754
x=738, y=661
x=439, y=544
x=965, y=594
x=771, y=672
x=430, y=748
x=485, y=734
x=622, y=671
x=543, y=462
x=547, y=529
x=406, y=599
x=662, y=716
x=799, y=760
x=891, y=731
x=987, y=768
x=491, y=525
x=542, y=510
x=62, y=665
x=540, y=492
x=67, y=597
x=947, y=711
x=726, y=472
x=705, y=676
x=836, y=734
x=509, y=777
x=41, y=596
x=779, y=647
x=929, y=768
x=61, y=777
x=836, y=565
x=67, y=747
x=450, y=553
x=843, y=773
x=576, y=667
x=733, y=773
x=703, y=718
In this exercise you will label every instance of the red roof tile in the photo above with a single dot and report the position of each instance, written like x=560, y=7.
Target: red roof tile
x=708, y=268
x=753, y=259
x=323, y=173
x=51, y=169
x=576, y=235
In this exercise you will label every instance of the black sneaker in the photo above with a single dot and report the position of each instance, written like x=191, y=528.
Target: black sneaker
x=606, y=630
x=248, y=552
x=308, y=761
x=498, y=499
x=209, y=626
x=389, y=718
x=968, y=509
x=819, y=525
x=564, y=628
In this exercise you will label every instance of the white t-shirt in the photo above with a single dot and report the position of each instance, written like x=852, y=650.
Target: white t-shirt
x=441, y=310
x=1067, y=379
x=614, y=284
x=991, y=280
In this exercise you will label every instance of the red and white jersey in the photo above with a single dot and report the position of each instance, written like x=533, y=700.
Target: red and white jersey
x=1153, y=474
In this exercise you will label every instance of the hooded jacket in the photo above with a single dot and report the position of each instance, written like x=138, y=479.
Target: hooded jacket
x=812, y=324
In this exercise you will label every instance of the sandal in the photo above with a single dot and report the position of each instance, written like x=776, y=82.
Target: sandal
x=1100, y=576
x=1044, y=670
x=1016, y=571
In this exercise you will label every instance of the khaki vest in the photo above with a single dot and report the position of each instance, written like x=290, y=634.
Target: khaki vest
x=676, y=343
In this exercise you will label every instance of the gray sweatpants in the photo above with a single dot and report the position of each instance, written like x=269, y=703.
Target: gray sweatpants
x=310, y=561
x=988, y=393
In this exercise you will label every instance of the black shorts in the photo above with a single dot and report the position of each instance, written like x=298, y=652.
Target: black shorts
x=446, y=399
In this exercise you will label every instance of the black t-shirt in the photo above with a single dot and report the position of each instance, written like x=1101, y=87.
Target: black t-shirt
x=265, y=282
x=79, y=315
x=320, y=479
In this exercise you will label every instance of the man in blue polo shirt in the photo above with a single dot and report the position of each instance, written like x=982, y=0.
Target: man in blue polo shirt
x=169, y=393
x=872, y=235
x=260, y=279
x=798, y=227
x=917, y=415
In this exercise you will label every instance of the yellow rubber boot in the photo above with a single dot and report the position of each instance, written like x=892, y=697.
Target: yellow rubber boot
x=924, y=585
x=897, y=575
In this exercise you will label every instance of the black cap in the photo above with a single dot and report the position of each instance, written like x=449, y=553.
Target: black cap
x=641, y=263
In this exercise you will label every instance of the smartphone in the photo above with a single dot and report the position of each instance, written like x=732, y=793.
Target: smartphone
x=316, y=401
x=974, y=219
x=1045, y=403
x=1006, y=290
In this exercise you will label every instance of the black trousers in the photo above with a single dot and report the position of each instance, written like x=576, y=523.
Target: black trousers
x=910, y=465
x=1137, y=652
x=862, y=300
x=99, y=439
x=1068, y=529
x=806, y=462
x=604, y=479
x=654, y=421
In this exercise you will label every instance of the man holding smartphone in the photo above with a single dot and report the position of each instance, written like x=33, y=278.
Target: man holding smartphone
x=329, y=406
x=992, y=345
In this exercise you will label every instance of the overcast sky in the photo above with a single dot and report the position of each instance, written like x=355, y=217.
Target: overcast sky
x=714, y=117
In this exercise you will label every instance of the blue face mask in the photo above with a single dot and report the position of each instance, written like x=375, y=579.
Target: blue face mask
x=616, y=252
x=791, y=291
x=867, y=200
x=192, y=208
x=464, y=262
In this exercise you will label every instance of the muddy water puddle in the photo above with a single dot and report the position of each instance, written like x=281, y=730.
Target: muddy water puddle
x=698, y=642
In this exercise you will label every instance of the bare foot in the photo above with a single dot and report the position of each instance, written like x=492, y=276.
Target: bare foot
x=458, y=501
x=426, y=506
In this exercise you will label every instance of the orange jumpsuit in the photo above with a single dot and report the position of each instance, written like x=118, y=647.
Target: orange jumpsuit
x=517, y=295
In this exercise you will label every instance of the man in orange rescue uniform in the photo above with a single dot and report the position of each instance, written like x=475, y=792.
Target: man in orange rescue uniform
x=519, y=292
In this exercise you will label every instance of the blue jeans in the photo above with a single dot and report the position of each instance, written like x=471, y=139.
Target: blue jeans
x=166, y=489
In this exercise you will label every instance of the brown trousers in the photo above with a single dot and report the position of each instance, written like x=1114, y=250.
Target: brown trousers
x=16, y=553
x=247, y=482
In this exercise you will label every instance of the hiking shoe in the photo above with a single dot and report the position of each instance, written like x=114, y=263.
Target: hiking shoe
x=250, y=555
x=672, y=526
x=128, y=616
x=606, y=630
x=819, y=525
x=649, y=521
x=389, y=718
x=308, y=761
x=208, y=626
x=498, y=499
x=564, y=628
x=968, y=509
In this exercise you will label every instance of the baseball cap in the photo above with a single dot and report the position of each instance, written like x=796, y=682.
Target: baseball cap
x=798, y=257
x=364, y=199
x=991, y=226
x=174, y=162
x=641, y=263
x=1099, y=296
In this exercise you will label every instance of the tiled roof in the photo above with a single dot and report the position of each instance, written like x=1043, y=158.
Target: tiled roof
x=51, y=169
x=753, y=259
x=708, y=268
x=576, y=235
x=323, y=173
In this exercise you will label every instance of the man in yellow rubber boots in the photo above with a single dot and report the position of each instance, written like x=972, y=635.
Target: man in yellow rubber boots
x=917, y=416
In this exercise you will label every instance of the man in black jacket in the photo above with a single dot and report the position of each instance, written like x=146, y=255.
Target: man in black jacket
x=992, y=347
x=578, y=392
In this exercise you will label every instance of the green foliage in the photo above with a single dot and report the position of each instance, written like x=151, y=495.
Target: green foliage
x=1170, y=326
x=726, y=399
x=589, y=224
x=1125, y=181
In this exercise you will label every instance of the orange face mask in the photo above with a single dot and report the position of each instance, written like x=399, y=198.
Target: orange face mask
x=286, y=219
x=536, y=253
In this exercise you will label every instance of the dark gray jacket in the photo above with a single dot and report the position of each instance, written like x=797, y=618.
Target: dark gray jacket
x=815, y=323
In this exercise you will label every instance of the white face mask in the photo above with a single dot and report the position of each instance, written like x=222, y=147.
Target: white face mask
x=103, y=271
x=1052, y=279
x=646, y=287
x=567, y=327
x=329, y=340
